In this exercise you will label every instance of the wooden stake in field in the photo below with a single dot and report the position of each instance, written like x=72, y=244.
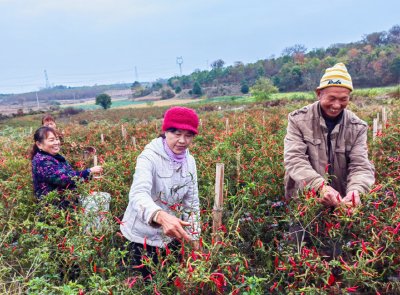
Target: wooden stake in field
x=102, y=138
x=31, y=130
x=227, y=126
x=219, y=199
x=379, y=128
x=375, y=129
x=263, y=122
x=95, y=160
x=238, y=165
x=122, y=130
x=134, y=141
x=384, y=117
x=377, y=118
x=156, y=126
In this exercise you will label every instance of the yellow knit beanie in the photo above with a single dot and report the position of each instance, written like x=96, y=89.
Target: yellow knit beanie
x=336, y=76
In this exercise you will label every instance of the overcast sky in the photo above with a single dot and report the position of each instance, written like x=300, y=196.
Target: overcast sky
x=83, y=42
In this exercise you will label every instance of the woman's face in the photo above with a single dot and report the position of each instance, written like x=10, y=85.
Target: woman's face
x=50, y=124
x=179, y=140
x=50, y=145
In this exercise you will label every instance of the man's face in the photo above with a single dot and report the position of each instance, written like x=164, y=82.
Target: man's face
x=333, y=100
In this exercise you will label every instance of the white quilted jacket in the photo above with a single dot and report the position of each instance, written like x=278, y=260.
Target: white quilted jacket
x=156, y=185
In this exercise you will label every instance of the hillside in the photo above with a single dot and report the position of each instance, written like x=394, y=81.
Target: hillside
x=373, y=61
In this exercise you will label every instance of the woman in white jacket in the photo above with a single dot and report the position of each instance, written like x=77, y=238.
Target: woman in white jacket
x=164, y=195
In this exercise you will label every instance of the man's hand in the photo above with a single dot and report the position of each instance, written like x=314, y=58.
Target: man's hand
x=172, y=226
x=330, y=197
x=348, y=200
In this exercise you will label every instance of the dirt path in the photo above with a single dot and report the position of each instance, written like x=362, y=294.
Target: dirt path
x=161, y=103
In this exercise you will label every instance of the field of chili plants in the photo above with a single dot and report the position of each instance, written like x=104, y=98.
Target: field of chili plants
x=46, y=251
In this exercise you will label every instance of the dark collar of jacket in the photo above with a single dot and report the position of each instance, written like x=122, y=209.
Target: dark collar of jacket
x=58, y=157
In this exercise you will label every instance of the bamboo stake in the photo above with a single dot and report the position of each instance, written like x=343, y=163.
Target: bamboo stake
x=219, y=192
x=238, y=166
x=379, y=128
x=384, y=117
x=134, y=141
x=122, y=130
x=31, y=130
x=102, y=138
x=375, y=129
x=377, y=118
x=227, y=126
x=94, y=160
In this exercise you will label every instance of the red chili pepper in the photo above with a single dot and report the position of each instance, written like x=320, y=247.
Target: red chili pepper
x=354, y=201
x=139, y=266
x=363, y=246
x=166, y=248
x=376, y=189
x=326, y=167
x=155, y=289
x=273, y=287
x=144, y=243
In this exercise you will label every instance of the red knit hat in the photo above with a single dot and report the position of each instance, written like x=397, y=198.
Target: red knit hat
x=181, y=118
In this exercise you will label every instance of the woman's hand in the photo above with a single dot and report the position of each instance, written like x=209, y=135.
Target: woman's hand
x=172, y=226
x=96, y=169
x=196, y=245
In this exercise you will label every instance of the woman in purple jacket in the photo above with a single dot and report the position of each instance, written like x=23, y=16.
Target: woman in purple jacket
x=50, y=170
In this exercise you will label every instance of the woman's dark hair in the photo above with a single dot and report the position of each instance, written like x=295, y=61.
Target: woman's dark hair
x=172, y=129
x=48, y=118
x=40, y=135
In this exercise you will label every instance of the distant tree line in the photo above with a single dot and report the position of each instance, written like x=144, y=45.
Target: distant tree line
x=373, y=61
x=61, y=92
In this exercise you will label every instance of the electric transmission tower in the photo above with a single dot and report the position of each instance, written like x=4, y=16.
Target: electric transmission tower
x=47, y=80
x=179, y=61
x=137, y=78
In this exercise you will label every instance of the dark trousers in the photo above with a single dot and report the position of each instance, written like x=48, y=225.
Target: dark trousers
x=136, y=251
x=326, y=246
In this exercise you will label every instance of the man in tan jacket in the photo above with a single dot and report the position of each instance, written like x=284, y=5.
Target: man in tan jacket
x=325, y=133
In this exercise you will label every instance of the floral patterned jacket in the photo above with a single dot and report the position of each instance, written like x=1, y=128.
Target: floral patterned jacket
x=53, y=173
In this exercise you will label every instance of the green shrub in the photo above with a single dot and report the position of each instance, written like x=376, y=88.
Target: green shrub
x=178, y=89
x=197, y=88
x=244, y=89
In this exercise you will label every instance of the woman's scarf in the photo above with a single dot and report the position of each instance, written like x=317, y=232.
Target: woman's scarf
x=176, y=160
